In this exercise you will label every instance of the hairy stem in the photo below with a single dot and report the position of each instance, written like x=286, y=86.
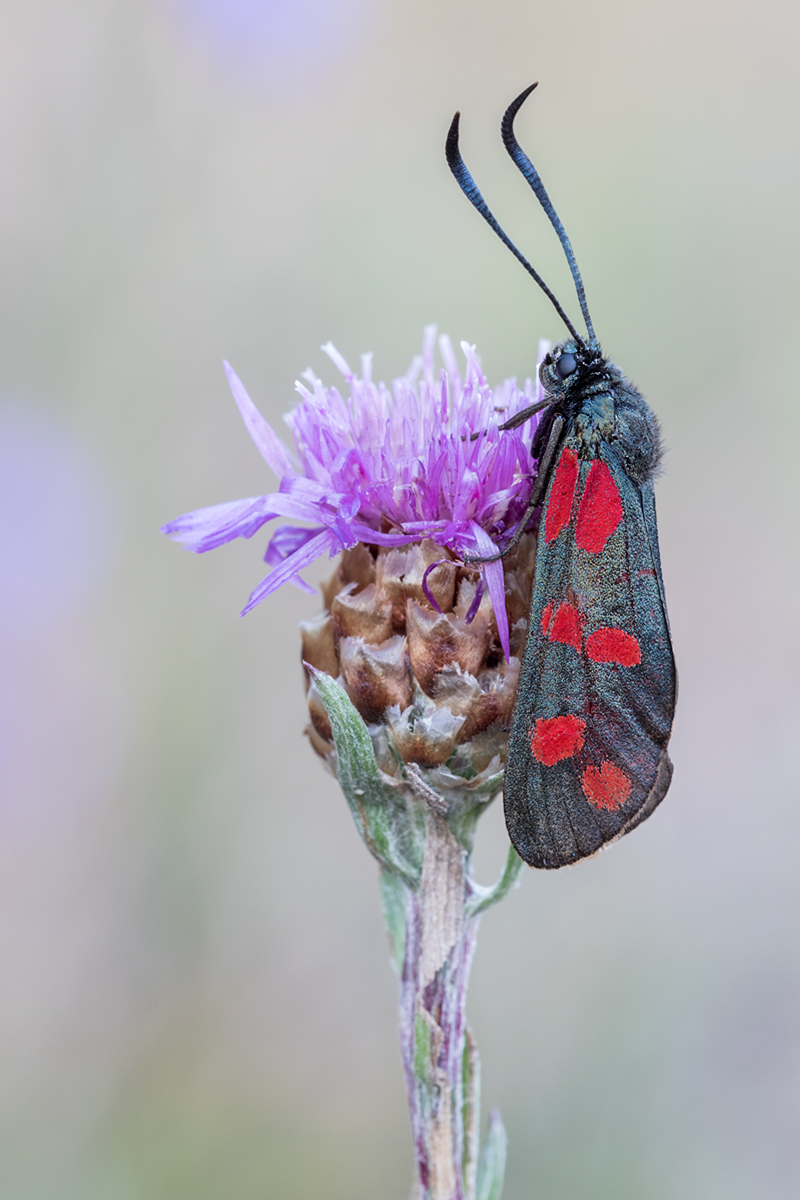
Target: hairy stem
x=440, y=1059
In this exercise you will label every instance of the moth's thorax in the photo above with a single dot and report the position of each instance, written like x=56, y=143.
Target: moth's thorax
x=599, y=406
x=594, y=422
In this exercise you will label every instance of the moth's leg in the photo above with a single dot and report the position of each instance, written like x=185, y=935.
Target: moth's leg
x=539, y=485
x=521, y=417
x=518, y=419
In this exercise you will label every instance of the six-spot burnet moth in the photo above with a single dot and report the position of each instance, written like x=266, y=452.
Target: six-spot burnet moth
x=587, y=757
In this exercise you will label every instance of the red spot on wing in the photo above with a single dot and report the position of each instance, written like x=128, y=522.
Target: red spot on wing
x=566, y=627
x=601, y=509
x=606, y=788
x=546, y=615
x=613, y=646
x=559, y=505
x=555, y=738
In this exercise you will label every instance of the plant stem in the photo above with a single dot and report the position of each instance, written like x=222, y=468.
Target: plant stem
x=440, y=1059
x=431, y=909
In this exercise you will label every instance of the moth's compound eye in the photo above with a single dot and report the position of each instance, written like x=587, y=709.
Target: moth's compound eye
x=566, y=365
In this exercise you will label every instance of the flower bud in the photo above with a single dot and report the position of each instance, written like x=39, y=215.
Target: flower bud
x=434, y=687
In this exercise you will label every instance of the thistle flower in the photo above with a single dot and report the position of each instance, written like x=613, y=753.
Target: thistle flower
x=385, y=467
x=414, y=665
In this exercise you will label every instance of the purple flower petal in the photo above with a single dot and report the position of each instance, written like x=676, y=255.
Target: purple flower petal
x=206, y=528
x=375, y=538
x=387, y=466
x=472, y=611
x=421, y=529
x=429, y=596
x=337, y=359
x=493, y=574
x=272, y=448
x=283, y=543
x=288, y=569
x=448, y=357
x=299, y=508
x=286, y=540
x=473, y=366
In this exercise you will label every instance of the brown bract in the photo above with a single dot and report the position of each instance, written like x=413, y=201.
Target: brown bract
x=434, y=687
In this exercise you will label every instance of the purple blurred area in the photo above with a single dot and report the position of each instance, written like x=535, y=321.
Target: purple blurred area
x=268, y=35
x=57, y=511
x=197, y=1000
x=58, y=547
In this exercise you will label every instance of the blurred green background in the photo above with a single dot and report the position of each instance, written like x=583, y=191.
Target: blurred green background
x=196, y=999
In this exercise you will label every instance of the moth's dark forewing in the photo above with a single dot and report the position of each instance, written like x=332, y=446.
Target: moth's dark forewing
x=632, y=722
x=538, y=799
x=667, y=683
x=616, y=770
x=651, y=526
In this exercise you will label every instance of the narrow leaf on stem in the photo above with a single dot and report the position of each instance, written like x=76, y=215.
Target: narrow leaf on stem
x=484, y=897
x=493, y=1160
x=382, y=819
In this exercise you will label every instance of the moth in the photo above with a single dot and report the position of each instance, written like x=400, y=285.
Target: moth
x=587, y=757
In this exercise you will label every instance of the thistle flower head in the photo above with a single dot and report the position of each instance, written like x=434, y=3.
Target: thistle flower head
x=421, y=460
x=430, y=682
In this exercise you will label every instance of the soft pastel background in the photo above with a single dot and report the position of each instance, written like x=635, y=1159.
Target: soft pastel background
x=196, y=998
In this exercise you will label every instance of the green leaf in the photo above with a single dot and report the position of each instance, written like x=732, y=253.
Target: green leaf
x=485, y=897
x=493, y=1160
x=392, y=828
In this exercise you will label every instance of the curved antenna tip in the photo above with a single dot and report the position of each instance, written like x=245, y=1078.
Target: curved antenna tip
x=531, y=175
x=451, y=144
x=470, y=190
x=523, y=96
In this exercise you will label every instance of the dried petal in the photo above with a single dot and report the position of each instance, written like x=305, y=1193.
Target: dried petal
x=522, y=559
x=480, y=752
x=439, y=640
x=386, y=755
x=376, y=677
x=400, y=571
x=482, y=701
x=469, y=584
x=444, y=779
x=357, y=566
x=319, y=647
x=424, y=733
x=364, y=614
x=519, y=638
x=319, y=716
x=518, y=570
x=326, y=750
x=332, y=587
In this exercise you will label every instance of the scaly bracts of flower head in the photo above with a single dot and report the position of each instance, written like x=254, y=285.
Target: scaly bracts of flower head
x=386, y=466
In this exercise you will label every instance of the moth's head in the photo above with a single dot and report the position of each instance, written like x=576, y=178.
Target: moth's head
x=570, y=366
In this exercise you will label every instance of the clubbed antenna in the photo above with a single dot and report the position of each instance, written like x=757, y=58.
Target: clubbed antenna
x=470, y=190
x=532, y=175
